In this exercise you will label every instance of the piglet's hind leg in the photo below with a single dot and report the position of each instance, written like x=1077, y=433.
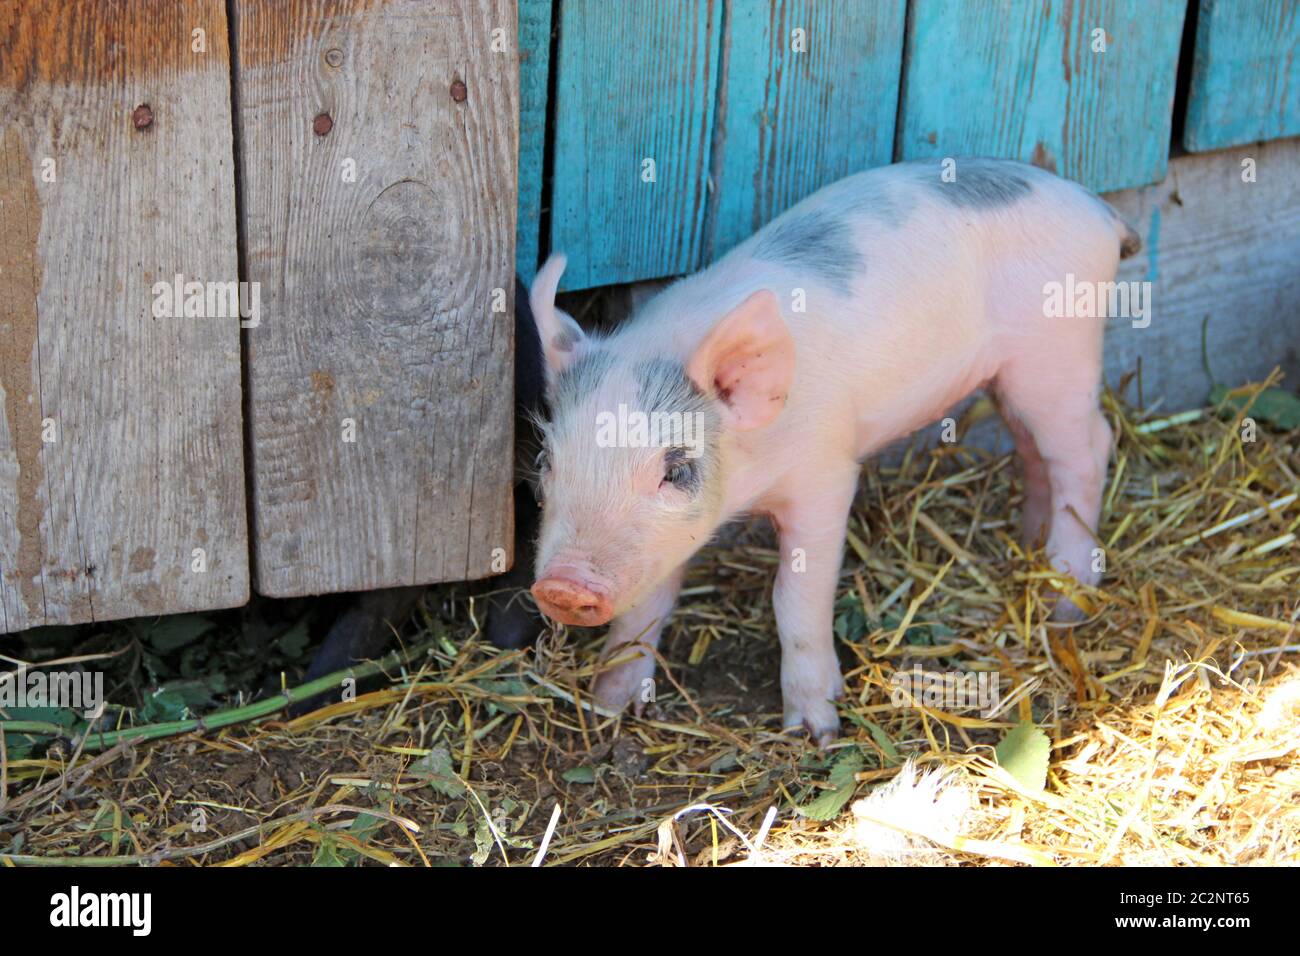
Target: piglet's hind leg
x=1060, y=413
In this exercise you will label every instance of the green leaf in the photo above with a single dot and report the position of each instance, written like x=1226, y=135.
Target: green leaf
x=177, y=700
x=1276, y=406
x=850, y=622
x=328, y=853
x=435, y=767
x=176, y=631
x=365, y=826
x=334, y=853
x=923, y=635
x=194, y=662
x=163, y=706
x=1023, y=753
x=828, y=804
x=482, y=843
x=879, y=736
x=293, y=642
x=510, y=687
x=579, y=775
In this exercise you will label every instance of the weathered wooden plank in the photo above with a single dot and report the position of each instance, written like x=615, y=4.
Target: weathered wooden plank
x=1216, y=249
x=121, y=466
x=1021, y=80
x=378, y=144
x=534, y=72
x=809, y=95
x=1245, y=73
x=634, y=98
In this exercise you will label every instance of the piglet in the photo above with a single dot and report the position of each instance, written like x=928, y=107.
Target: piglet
x=762, y=383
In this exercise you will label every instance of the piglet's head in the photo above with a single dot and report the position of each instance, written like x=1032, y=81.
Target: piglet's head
x=633, y=470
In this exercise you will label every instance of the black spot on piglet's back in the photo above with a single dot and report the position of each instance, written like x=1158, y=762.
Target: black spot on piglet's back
x=977, y=183
x=815, y=241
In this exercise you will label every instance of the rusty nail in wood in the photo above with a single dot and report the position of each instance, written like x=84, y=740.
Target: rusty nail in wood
x=322, y=124
x=458, y=91
x=142, y=116
x=334, y=56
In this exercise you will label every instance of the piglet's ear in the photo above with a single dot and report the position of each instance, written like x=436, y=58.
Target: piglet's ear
x=561, y=337
x=748, y=361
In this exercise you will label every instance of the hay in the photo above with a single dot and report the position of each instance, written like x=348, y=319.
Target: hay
x=1172, y=714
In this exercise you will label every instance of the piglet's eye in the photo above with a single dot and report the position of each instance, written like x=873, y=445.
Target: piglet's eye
x=679, y=471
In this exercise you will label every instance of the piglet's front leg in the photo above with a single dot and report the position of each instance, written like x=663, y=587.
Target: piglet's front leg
x=630, y=636
x=812, y=528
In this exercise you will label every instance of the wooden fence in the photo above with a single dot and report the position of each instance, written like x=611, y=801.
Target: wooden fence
x=363, y=183
x=746, y=106
x=375, y=170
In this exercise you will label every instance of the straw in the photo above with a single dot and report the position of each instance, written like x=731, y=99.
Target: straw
x=1171, y=714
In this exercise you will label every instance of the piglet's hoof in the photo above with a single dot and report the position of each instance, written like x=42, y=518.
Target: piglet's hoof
x=809, y=689
x=1065, y=611
x=628, y=683
x=818, y=718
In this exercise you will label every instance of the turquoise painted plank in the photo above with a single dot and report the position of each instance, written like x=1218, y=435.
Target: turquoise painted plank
x=636, y=82
x=1245, y=74
x=798, y=110
x=1020, y=79
x=534, y=65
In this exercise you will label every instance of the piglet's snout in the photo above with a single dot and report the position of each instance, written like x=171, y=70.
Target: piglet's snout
x=564, y=598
